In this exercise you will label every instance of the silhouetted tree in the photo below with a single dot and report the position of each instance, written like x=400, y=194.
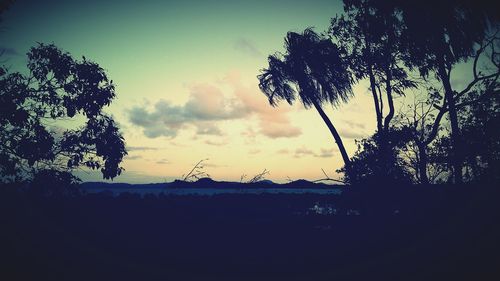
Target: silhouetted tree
x=370, y=33
x=369, y=167
x=36, y=106
x=437, y=36
x=423, y=117
x=385, y=40
x=479, y=123
x=313, y=70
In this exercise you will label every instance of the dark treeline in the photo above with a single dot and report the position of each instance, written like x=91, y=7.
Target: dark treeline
x=444, y=233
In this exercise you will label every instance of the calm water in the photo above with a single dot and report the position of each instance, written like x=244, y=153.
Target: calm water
x=212, y=191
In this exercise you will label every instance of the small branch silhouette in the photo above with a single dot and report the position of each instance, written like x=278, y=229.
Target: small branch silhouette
x=256, y=178
x=242, y=178
x=327, y=178
x=196, y=172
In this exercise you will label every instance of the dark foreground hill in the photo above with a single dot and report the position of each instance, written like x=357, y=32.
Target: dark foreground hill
x=413, y=233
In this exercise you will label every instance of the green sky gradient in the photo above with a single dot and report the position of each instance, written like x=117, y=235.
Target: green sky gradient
x=161, y=50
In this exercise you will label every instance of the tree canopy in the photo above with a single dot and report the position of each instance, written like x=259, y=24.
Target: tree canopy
x=313, y=70
x=37, y=106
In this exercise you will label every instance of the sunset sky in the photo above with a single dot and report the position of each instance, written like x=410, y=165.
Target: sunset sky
x=185, y=75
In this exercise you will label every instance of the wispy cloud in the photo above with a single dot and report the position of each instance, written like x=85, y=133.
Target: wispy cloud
x=215, y=143
x=247, y=47
x=162, y=162
x=133, y=157
x=254, y=151
x=350, y=133
x=283, y=151
x=304, y=151
x=8, y=51
x=354, y=124
x=325, y=153
x=141, y=148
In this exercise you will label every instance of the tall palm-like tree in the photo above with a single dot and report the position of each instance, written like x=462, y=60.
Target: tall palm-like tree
x=312, y=70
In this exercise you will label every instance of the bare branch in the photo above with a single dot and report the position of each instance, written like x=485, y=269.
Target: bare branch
x=258, y=177
x=327, y=178
x=196, y=172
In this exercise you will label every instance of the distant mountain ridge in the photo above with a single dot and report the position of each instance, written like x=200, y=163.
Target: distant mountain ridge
x=210, y=183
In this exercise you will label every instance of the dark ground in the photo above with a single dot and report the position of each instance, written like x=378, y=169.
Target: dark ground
x=431, y=233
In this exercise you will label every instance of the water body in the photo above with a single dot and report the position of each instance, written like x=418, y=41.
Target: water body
x=210, y=190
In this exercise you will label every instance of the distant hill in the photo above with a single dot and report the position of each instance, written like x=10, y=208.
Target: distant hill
x=208, y=183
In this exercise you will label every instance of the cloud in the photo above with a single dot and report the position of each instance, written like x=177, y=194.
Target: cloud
x=274, y=130
x=214, y=165
x=303, y=151
x=247, y=47
x=283, y=151
x=207, y=105
x=254, y=151
x=215, y=143
x=162, y=162
x=208, y=129
x=273, y=122
x=325, y=153
x=352, y=134
x=140, y=148
x=354, y=124
x=8, y=51
x=133, y=157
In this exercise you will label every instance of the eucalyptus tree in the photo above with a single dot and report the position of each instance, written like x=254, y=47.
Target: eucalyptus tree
x=313, y=70
x=437, y=36
x=370, y=33
x=423, y=118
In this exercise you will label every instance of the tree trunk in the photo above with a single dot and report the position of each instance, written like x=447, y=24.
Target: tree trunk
x=455, y=131
x=388, y=86
x=378, y=110
x=422, y=163
x=335, y=135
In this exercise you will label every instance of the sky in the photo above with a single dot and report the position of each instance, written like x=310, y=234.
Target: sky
x=185, y=75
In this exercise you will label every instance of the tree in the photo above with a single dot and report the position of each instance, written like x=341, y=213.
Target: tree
x=370, y=168
x=387, y=40
x=423, y=117
x=35, y=106
x=370, y=33
x=437, y=36
x=479, y=128
x=312, y=69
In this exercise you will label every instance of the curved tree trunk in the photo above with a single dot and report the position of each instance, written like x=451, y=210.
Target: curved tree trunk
x=335, y=135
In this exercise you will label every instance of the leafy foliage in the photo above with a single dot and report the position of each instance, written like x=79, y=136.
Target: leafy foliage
x=368, y=166
x=54, y=183
x=481, y=151
x=57, y=89
x=312, y=69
